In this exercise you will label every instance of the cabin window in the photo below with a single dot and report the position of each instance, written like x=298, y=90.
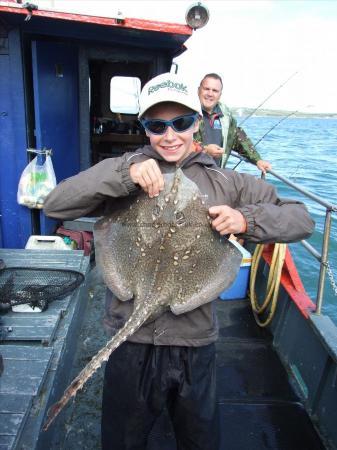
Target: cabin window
x=124, y=95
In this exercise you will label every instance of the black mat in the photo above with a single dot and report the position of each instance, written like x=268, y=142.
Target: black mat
x=251, y=371
x=236, y=321
x=266, y=427
x=259, y=409
x=252, y=427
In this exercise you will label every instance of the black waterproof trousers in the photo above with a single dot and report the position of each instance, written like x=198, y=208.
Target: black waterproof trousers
x=142, y=379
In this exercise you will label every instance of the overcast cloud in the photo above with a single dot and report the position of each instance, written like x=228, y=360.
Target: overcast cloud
x=254, y=45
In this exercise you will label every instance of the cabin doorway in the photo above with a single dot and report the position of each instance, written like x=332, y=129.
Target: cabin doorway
x=76, y=105
x=114, y=92
x=56, y=111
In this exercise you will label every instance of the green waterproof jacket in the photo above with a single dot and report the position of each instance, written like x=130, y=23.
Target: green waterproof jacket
x=234, y=137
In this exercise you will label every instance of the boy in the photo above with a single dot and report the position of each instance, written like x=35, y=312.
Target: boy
x=170, y=361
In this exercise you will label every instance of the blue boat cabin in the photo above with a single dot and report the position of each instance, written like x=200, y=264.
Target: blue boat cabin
x=59, y=76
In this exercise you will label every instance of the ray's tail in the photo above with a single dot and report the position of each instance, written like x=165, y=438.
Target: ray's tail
x=137, y=318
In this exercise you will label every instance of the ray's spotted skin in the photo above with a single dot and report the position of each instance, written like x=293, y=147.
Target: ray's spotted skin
x=163, y=253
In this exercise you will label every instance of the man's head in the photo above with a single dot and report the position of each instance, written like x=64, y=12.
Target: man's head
x=170, y=111
x=210, y=91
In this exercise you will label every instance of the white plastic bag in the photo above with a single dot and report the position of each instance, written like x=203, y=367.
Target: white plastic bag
x=35, y=183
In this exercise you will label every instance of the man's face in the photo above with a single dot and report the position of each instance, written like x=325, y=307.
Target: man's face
x=209, y=93
x=172, y=146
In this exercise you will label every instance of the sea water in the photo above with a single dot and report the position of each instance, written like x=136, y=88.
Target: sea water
x=305, y=152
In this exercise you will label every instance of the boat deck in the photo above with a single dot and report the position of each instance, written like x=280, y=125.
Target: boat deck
x=259, y=408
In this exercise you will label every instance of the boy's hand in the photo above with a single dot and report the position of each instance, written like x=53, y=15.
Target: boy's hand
x=149, y=177
x=227, y=220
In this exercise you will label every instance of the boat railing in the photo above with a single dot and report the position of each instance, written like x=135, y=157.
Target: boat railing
x=322, y=257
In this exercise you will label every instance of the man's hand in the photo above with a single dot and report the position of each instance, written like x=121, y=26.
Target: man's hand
x=148, y=175
x=227, y=220
x=213, y=150
x=263, y=165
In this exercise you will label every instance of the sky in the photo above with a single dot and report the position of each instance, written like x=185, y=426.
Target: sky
x=255, y=45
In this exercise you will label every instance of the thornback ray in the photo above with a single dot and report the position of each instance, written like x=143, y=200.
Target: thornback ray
x=162, y=253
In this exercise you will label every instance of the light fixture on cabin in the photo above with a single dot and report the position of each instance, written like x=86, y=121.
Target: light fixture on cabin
x=197, y=16
x=120, y=17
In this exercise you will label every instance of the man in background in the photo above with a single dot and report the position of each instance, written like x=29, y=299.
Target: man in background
x=218, y=131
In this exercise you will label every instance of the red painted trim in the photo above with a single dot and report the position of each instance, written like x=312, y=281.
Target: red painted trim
x=291, y=282
x=138, y=24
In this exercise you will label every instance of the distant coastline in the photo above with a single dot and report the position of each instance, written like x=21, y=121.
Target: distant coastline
x=242, y=112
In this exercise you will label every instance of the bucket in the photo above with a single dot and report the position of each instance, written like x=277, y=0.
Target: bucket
x=238, y=289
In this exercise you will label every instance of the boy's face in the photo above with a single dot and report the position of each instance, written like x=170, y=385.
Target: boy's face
x=172, y=146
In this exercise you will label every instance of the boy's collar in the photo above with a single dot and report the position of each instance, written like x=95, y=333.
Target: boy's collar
x=192, y=158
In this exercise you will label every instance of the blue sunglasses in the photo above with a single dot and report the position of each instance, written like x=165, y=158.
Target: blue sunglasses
x=179, y=124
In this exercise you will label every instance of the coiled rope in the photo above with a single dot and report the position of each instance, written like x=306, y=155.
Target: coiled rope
x=273, y=283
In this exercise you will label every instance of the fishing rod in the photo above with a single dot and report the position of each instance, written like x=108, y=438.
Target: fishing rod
x=274, y=126
x=269, y=96
x=266, y=134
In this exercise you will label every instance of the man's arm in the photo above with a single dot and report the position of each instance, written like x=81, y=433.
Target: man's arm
x=213, y=150
x=244, y=146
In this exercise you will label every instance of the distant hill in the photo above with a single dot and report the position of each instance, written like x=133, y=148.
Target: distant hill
x=242, y=111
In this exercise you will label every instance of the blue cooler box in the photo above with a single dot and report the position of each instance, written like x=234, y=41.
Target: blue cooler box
x=240, y=286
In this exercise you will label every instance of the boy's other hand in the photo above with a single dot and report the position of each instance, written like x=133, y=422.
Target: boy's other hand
x=227, y=220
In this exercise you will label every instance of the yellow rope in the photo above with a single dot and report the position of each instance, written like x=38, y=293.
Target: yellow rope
x=273, y=283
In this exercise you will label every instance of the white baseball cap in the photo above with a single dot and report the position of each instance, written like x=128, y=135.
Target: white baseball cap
x=169, y=87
